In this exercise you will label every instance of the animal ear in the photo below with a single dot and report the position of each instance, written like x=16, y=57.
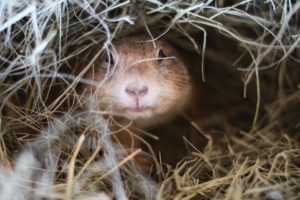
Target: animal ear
x=161, y=54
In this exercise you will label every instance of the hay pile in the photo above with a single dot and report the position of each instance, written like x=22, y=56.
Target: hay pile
x=244, y=55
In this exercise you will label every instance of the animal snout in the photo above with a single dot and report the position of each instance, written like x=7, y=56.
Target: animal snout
x=136, y=91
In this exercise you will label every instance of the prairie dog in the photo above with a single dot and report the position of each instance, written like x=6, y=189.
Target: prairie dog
x=147, y=81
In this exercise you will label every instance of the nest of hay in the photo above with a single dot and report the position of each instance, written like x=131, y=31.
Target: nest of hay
x=238, y=138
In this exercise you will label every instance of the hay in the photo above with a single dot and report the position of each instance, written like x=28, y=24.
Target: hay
x=241, y=149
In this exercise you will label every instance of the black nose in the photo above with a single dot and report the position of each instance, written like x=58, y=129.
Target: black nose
x=135, y=91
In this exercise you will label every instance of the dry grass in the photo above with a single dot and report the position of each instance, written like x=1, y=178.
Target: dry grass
x=50, y=152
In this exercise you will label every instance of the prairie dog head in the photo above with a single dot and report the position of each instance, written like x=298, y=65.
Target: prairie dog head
x=148, y=81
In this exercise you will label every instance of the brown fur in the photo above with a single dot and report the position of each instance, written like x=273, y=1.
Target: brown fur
x=134, y=56
x=136, y=62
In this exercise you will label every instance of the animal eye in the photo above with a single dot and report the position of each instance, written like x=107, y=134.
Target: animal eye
x=161, y=55
x=109, y=60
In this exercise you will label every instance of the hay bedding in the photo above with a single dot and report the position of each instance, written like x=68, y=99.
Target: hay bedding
x=245, y=146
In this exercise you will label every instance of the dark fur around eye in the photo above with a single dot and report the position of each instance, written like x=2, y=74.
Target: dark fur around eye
x=161, y=55
x=109, y=59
